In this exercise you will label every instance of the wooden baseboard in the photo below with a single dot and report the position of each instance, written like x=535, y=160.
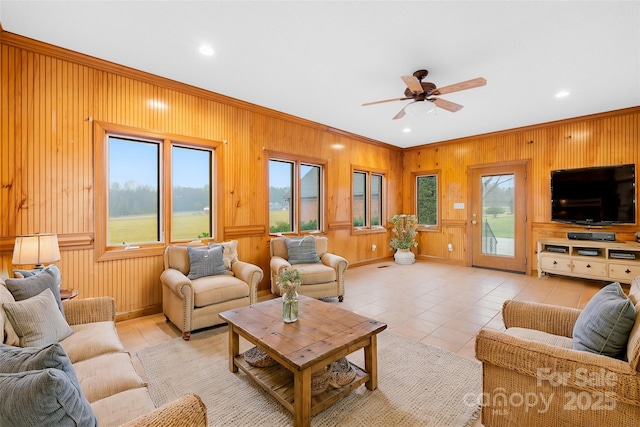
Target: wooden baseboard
x=154, y=309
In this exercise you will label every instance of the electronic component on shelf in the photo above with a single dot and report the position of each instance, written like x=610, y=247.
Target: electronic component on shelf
x=622, y=255
x=556, y=249
x=588, y=252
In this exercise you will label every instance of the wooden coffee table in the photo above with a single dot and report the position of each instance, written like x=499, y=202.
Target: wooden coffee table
x=323, y=334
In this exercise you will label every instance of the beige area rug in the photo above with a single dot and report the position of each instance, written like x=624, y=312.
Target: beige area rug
x=418, y=385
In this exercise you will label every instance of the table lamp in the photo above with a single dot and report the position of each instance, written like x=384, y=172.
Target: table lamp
x=37, y=249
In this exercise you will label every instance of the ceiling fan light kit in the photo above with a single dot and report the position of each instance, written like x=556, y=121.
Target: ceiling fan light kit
x=420, y=91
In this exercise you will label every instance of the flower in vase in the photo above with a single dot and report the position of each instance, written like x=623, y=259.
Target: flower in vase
x=405, y=228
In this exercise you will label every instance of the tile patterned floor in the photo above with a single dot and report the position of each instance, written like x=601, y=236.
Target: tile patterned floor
x=433, y=303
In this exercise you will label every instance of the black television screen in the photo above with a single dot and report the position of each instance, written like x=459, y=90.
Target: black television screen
x=596, y=195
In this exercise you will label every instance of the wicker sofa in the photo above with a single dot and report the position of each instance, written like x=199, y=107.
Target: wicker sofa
x=117, y=395
x=532, y=376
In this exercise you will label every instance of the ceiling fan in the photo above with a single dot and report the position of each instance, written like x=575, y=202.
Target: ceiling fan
x=421, y=91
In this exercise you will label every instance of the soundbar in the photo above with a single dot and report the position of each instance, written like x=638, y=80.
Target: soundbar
x=575, y=235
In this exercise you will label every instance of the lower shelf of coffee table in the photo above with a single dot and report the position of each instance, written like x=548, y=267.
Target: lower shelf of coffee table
x=278, y=382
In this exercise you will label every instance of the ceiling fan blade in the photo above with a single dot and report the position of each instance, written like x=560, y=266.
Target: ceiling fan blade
x=401, y=113
x=447, y=105
x=413, y=84
x=384, y=100
x=469, y=84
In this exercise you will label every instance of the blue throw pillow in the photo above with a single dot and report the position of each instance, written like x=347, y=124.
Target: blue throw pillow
x=206, y=262
x=43, y=398
x=604, y=325
x=18, y=359
x=302, y=251
x=23, y=289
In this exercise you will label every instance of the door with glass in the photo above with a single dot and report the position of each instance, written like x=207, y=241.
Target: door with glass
x=498, y=217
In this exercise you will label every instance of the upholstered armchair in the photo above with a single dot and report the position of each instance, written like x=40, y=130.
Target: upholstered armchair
x=199, y=282
x=533, y=375
x=322, y=272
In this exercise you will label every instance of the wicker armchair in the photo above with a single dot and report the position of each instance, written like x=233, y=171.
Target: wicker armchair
x=533, y=377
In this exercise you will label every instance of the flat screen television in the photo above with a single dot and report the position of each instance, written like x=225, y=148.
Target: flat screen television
x=594, y=196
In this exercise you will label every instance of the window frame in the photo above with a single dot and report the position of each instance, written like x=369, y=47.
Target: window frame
x=298, y=161
x=414, y=189
x=369, y=172
x=102, y=130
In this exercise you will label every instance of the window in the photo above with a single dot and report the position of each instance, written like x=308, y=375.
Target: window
x=427, y=206
x=295, y=195
x=367, y=204
x=150, y=191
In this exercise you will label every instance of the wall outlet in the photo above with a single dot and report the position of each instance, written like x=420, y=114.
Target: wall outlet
x=373, y=247
x=450, y=247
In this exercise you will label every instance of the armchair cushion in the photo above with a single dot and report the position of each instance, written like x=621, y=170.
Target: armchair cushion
x=302, y=251
x=316, y=273
x=205, y=262
x=216, y=289
x=604, y=325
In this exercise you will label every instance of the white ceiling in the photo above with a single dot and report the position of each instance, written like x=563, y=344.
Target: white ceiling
x=320, y=60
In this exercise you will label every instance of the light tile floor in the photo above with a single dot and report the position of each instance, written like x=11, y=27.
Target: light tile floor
x=436, y=304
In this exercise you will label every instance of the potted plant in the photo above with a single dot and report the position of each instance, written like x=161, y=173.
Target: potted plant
x=405, y=229
x=289, y=280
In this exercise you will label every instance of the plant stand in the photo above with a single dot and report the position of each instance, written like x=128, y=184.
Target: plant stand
x=404, y=256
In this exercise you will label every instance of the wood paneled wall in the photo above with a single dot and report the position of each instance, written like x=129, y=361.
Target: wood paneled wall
x=50, y=95
x=602, y=139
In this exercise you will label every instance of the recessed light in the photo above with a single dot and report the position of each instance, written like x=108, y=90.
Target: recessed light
x=154, y=103
x=406, y=130
x=562, y=94
x=207, y=50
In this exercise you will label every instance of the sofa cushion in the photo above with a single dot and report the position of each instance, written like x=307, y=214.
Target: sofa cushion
x=316, y=273
x=9, y=335
x=604, y=324
x=216, y=289
x=106, y=375
x=91, y=340
x=229, y=253
x=44, y=397
x=31, y=286
x=123, y=407
x=540, y=336
x=37, y=320
x=302, y=251
x=205, y=262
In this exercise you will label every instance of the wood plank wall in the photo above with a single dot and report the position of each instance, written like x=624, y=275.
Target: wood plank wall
x=602, y=139
x=46, y=160
x=46, y=165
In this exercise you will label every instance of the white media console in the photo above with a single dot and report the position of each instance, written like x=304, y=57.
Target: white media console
x=589, y=259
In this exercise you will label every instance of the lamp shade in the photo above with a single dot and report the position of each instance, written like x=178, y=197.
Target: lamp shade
x=36, y=249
